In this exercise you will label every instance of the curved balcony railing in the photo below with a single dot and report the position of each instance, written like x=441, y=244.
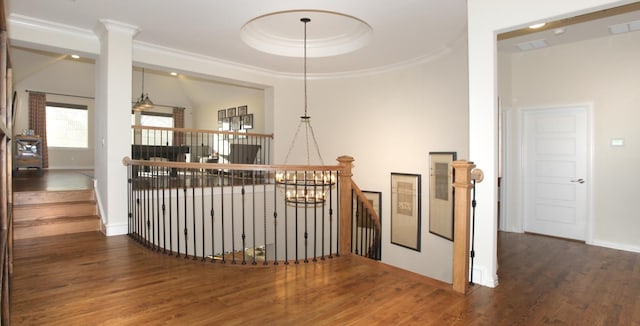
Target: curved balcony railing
x=240, y=213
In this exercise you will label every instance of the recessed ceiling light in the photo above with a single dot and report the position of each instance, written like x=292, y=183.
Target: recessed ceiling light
x=535, y=44
x=534, y=26
x=173, y=73
x=75, y=56
x=558, y=31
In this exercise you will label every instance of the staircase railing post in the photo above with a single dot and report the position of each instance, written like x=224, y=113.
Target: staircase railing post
x=344, y=180
x=463, y=186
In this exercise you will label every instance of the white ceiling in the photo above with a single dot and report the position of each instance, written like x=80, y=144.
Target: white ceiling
x=401, y=32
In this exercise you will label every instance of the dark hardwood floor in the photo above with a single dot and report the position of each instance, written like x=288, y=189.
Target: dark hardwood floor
x=90, y=279
x=52, y=180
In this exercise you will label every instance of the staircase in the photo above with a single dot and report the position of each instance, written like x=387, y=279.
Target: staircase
x=46, y=213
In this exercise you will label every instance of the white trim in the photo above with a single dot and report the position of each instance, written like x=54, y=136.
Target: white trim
x=617, y=246
x=504, y=195
x=115, y=229
x=479, y=273
x=99, y=204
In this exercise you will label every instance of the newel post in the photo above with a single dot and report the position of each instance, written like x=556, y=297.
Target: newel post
x=463, y=186
x=344, y=181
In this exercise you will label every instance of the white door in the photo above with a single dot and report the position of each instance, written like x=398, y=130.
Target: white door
x=555, y=172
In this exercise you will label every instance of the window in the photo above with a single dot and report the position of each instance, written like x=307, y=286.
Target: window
x=67, y=125
x=155, y=137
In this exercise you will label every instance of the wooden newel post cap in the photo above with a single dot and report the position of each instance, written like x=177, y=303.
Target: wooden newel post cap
x=477, y=175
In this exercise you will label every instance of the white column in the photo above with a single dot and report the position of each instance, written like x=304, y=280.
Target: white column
x=113, y=122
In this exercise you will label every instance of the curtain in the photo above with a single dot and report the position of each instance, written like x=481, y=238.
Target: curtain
x=178, y=122
x=38, y=122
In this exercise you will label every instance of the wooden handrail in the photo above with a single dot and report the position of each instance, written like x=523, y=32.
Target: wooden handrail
x=231, y=166
x=367, y=204
x=204, y=131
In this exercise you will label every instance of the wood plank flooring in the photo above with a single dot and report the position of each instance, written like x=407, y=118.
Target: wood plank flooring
x=90, y=279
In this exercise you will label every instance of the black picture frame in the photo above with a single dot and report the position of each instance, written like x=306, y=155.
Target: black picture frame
x=231, y=112
x=242, y=110
x=441, y=194
x=236, y=123
x=247, y=121
x=222, y=114
x=406, y=210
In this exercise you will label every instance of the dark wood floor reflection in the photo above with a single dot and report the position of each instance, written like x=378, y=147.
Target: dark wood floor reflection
x=52, y=180
x=89, y=279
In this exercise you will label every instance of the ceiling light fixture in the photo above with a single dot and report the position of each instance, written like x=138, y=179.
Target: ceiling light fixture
x=143, y=103
x=538, y=25
x=305, y=187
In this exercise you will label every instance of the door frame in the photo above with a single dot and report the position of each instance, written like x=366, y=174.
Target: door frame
x=513, y=160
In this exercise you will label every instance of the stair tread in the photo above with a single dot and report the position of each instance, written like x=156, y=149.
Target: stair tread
x=65, y=203
x=59, y=196
x=58, y=220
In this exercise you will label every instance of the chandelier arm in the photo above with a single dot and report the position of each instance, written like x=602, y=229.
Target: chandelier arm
x=315, y=143
x=293, y=141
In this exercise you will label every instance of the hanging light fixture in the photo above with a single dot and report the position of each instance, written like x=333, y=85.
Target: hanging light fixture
x=305, y=187
x=143, y=103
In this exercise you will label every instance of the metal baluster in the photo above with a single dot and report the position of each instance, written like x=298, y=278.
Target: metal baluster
x=193, y=209
x=186, y=238
x=275, y=221
x=244, y=243
x=331, y=221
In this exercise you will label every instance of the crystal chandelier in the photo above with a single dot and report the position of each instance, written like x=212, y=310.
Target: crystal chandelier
x=305, y=187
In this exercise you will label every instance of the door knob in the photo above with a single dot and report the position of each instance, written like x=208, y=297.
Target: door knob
x=578, y=181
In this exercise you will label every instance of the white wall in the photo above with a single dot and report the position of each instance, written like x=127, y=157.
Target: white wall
x=389, y=122
x=601, y=72
x=42, y=72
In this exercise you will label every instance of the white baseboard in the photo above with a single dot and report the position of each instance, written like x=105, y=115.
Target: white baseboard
x=617, y=246
x=115, y=229
x=481, y=276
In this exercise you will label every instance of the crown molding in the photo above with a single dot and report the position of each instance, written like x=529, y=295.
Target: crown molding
x=19, y=22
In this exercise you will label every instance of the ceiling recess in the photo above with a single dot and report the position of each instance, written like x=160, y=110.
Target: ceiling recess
x=333, y=33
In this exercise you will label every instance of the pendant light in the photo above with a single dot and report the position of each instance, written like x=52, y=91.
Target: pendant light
x=306, y=188
x=143, y=103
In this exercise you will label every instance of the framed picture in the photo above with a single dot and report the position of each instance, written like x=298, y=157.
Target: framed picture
x=242, y=110
x=222, y=114
x=405, y=210
x=226, y=124
x=235, y=123
x=231, y=112
x=247, y=121
x=441, y=194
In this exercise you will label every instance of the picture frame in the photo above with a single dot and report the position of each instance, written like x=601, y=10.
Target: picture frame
x=231, y=112
x=226, y=124
x=247, y=121
x=235, y=123
x=242, y=110
x=441, y=194
x=406, y=210
x=222, y=114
